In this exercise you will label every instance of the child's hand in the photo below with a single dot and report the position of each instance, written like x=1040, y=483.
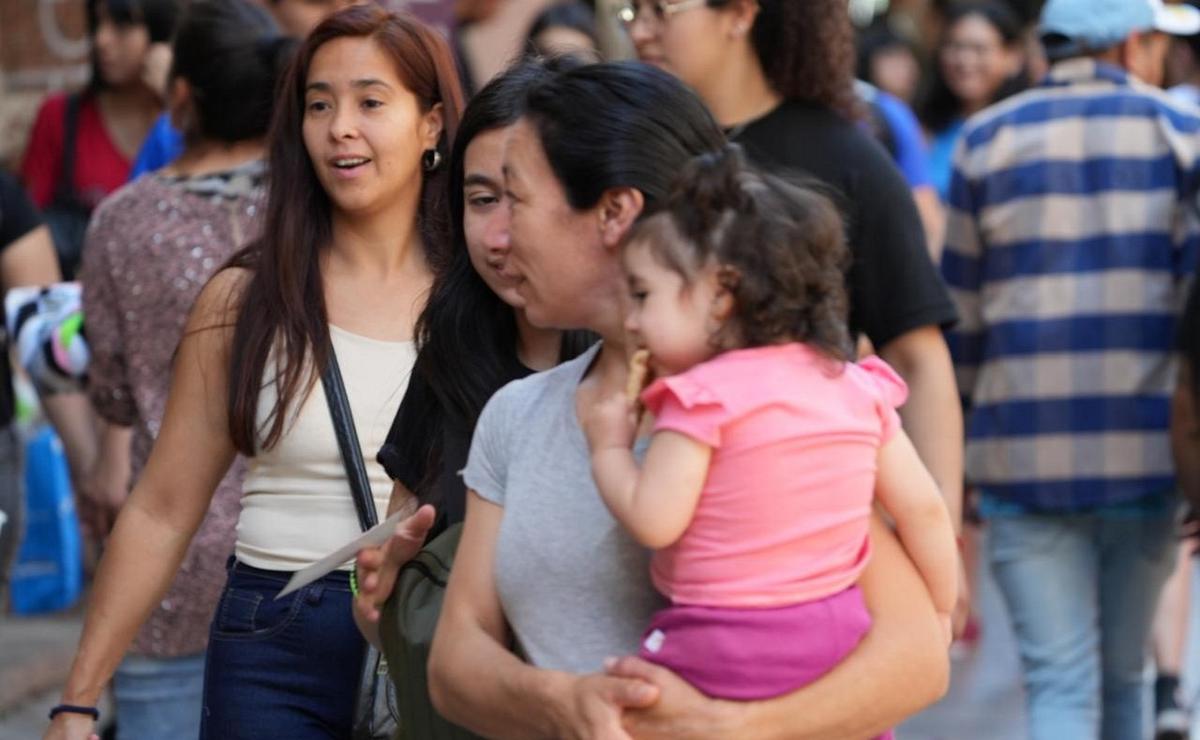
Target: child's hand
x=612, y=423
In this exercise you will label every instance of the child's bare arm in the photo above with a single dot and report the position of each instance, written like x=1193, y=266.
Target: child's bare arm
x=909, y=494
x=656, y=503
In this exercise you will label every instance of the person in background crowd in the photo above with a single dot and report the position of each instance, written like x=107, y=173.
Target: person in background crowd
x=542, y=567
x=978, y=62
x=102, y=127
x=466, y=14
x=889, y=62
x=563, y=28
x=1182, y=77
x=352, y=224
x=152, y=246
x=295, y=18
x=779, y=77
x=895, y=126
x=1068, y=277
x=26, y=258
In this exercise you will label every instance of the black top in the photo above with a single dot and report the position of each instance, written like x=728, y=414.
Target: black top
x=18, y=217
x=894, y=285
x=426, y=449
x=1189, y=328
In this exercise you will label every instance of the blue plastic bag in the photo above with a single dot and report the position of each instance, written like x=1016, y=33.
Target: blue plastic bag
x=48, y=574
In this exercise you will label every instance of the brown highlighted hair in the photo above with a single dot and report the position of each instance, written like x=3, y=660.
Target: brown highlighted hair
x=778, y=244
x=283, y=305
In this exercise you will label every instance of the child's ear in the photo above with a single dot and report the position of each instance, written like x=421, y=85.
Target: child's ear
x=725, y=279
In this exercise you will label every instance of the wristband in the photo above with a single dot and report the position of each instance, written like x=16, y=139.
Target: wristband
x=73, y=709
x=354, y=582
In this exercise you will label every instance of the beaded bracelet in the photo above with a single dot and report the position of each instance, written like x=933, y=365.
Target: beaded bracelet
x=354, y=582
x=74, y=709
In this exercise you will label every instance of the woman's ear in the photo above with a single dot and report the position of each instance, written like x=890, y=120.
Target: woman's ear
x=432, y=124
x=743, y=15
x=179, y=105
x=618, y=209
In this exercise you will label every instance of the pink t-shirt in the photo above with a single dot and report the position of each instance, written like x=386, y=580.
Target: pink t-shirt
x=784, y=513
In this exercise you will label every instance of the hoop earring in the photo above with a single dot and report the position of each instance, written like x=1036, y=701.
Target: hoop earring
x=431, y=159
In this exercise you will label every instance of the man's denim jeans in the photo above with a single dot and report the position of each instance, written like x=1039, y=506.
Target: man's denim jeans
x=1082, y=591
x=158, y=697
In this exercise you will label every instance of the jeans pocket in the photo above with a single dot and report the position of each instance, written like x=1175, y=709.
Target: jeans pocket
x=246, y=614
x=1019, y=537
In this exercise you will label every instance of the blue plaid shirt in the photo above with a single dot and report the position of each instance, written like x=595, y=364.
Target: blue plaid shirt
x=1071, y=233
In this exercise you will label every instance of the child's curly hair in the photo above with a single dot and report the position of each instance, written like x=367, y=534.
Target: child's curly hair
x=779, y=244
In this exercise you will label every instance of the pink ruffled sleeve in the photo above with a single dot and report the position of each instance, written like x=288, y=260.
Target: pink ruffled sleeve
x=682, y=405
x=891, y=393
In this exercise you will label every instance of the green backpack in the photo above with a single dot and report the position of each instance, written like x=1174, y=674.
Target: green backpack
x=406, y=627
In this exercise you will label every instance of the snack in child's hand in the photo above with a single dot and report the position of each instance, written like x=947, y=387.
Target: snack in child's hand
x=639, y=368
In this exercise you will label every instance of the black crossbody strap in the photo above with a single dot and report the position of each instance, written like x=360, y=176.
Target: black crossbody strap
x=347, y=438
x=64, y=190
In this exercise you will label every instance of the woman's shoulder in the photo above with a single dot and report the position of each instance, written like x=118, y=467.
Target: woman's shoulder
x=219, y=300
x=543, y=390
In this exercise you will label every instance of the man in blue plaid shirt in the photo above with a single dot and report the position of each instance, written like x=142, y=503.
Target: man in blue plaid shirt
x=1072, y=234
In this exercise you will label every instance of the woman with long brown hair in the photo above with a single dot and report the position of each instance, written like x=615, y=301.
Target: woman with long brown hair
x=352, y=229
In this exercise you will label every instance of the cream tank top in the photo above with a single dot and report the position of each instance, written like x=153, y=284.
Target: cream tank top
x=296, y=501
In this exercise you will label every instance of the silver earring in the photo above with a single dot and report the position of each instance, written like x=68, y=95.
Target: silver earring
x=431, y=159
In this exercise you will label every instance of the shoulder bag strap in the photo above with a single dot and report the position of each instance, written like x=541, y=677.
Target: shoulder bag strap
x=347, y=438
x=64, y=189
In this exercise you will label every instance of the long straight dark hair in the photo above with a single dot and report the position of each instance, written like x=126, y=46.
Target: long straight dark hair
x=283, y=304
x=467, y=336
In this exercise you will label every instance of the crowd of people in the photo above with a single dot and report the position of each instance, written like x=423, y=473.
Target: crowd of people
x=596, y=335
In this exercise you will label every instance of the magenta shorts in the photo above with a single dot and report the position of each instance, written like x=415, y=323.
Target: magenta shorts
x=747, y=654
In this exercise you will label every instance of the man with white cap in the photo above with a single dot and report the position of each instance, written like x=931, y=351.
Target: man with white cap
x=1072, y=233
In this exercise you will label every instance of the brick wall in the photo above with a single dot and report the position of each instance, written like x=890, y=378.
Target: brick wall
x=42, y=48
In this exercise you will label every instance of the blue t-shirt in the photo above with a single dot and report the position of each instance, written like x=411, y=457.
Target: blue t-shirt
x=162, y=146
x=941, y=157
x=905, y=141
x=910, y=154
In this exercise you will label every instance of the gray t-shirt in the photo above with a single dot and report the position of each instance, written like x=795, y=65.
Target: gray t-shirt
x=574, y=586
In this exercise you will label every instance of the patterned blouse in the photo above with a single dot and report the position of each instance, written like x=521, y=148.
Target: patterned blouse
x=150, y=249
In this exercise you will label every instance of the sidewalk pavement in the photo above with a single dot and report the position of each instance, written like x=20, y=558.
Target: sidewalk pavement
x=35, y=656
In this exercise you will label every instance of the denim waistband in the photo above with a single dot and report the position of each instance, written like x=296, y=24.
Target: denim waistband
x=337, y=577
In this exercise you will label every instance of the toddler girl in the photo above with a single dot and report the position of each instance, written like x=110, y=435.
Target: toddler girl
x=768, y=443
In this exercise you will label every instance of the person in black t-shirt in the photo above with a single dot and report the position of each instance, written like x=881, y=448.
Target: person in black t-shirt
x=473, y=337
x=26, y=258
x=778, y=75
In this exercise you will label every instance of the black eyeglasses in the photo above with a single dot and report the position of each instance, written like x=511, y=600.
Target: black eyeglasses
x=629, y=12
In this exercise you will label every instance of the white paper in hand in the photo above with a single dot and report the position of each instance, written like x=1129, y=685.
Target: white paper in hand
x=373, y=537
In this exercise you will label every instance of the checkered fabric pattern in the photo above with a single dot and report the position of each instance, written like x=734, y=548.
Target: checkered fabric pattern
x=1071, y=238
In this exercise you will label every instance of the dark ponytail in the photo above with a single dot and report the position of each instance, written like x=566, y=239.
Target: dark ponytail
x=232, y=55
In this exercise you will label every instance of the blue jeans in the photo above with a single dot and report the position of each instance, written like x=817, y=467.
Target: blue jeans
x=1082, y=591
x=281, y=668
x=158, y=697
